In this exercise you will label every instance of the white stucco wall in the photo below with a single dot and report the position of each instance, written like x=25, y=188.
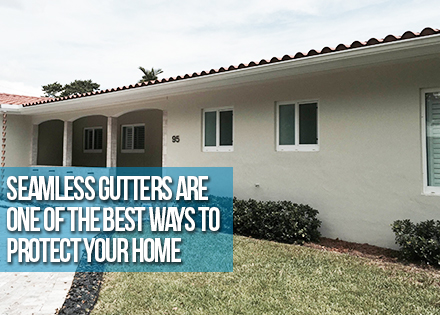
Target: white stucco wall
x=18, y=140
x=368, y=171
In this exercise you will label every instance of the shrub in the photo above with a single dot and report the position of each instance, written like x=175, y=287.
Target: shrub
x=419, y=241
x=281, y=221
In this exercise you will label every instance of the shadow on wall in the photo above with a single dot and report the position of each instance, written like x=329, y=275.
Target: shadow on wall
x=139, y=140
x=50, y=143
x=89, y=146
x=135, y=128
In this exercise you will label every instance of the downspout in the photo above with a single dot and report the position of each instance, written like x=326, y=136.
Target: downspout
x=4, y=126
x=3, y=155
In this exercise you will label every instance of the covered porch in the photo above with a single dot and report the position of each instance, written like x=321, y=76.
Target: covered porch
x=133, y=138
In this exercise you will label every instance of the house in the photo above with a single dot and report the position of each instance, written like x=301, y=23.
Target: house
x=353, y=131
x=10, y=102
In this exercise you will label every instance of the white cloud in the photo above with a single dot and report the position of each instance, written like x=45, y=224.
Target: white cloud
x=15, y=4
x=19, y=88
x=107, y=41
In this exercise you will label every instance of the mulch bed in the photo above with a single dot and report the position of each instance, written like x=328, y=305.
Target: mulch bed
x=85, y=287
x=356, y=249
x=83, y=293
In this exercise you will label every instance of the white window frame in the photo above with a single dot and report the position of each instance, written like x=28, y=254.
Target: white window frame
x=132, y=150
x=427, y=190
x=93, y=140
x=218, y=147
x=296, y=147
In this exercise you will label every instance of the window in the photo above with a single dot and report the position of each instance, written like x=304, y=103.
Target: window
x=133, y=138
x=297, y=126
x=218, y=132
x=93, y=140
x=431, y=140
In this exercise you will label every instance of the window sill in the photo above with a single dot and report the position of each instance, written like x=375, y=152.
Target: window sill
x=92, y=151
x=431, y=191
x=133, y=151
x=298, y=148
x=218, y=149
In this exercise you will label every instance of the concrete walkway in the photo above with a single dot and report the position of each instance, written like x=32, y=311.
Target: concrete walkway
x=35, y=293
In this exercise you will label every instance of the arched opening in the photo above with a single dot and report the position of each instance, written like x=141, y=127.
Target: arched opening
x=140, y=138
x=50, y=143
x=89, y=141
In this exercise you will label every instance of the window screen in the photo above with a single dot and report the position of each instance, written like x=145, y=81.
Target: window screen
x=210, y=129
x=98, y=139
x=139, y=138
x=287, y=124
x=127, y=138
x=88, y=139
x=93, y=139
x=308, y=131
x=133, y=137
x=226, y=127
x=433, y=138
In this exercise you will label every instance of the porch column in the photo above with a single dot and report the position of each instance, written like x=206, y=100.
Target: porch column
x=34, y=145
x=164, y=137
x=112, y=141
x=67, y=143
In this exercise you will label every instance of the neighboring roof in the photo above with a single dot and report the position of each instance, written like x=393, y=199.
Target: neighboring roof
x=13, y=99
x=356, y=44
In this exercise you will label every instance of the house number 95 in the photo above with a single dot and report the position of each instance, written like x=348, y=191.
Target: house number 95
x=176, y=139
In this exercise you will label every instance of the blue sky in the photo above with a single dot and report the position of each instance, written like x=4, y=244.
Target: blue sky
x=55, y=40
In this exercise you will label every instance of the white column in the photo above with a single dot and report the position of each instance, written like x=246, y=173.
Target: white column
x=164, y=137
x=112, y=141
x=34, y=145
x=67, y=143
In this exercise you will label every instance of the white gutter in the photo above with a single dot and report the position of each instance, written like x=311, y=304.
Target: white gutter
x=396, y=51
x=11, y=108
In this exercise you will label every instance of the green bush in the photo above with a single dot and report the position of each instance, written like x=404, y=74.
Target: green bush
x=281, y=221
x=419, y=241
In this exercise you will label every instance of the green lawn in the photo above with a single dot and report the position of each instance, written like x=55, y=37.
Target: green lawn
x=273, y=278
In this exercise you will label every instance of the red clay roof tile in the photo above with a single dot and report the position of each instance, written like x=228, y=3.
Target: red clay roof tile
x=356, y=44
x=13, y=99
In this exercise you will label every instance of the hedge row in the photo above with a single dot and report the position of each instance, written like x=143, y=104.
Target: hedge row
x=281, y=221
x=420, y=241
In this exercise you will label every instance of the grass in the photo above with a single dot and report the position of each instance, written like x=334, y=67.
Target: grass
x=274, y=278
